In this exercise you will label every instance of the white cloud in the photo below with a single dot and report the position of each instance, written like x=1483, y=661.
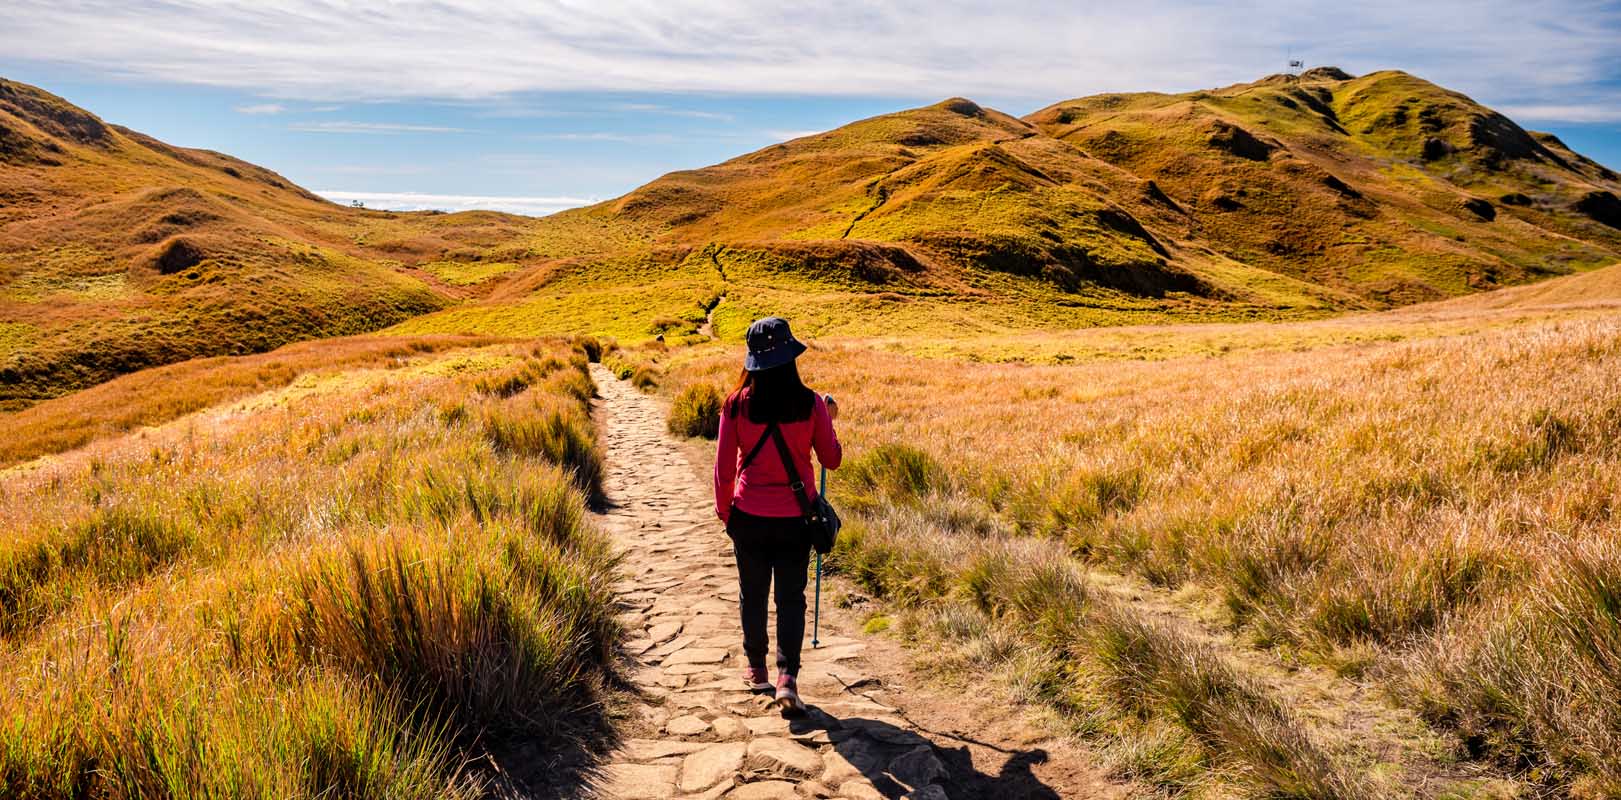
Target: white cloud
x=261, y=108
x=655, y=108
x=1563, y=113
x=1557, y=53
x=783, y=136
x=604, y=136
x=418, y=201
x=373, y=169
x=383, y=128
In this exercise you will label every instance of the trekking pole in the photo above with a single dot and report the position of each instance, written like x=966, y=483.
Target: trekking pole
x=816, y=623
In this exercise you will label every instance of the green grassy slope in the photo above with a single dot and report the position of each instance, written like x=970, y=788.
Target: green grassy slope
x=119, y=252
x=1385, y=186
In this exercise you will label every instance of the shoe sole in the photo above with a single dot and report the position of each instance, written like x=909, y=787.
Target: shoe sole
x=789, y=705
x=758, y=687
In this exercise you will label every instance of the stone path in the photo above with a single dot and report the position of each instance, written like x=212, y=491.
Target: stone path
x=703, y=733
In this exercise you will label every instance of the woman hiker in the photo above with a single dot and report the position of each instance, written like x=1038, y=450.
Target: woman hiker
x=754, y=495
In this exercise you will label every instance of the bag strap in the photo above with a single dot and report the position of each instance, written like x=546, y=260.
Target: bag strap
x=793, y=474
x=758, y=446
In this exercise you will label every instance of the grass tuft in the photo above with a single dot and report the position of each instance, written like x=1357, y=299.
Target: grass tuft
x=695, y=412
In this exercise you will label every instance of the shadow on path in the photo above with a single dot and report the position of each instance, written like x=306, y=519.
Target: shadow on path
x=900, y=760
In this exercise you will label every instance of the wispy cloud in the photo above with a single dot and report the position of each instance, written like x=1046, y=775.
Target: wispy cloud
x=1564, y=113
x=655, y=108
x=1558, y=53
x=604, y=136
x=372, y=169
x=783, y=136
x=261, y=108
x=419, y=201
x=376, y=128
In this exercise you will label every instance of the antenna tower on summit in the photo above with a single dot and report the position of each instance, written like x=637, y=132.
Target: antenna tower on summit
x=1296, y=65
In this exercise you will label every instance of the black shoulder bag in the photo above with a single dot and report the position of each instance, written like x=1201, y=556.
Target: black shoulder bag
x=821, y=521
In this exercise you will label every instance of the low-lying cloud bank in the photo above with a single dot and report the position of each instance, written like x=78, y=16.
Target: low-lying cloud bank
x=421, y=201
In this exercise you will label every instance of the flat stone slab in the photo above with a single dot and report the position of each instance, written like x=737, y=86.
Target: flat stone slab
x=638, y=781
x=650, y=749
x=766, y=726
x=764, y=790
x=663, y=630
x=917, y=768
x=695, y=655
x=782, y=758
x=674, y=645
x=686, y=725
x=730, y=728
x=860, y=789
x=711, y=765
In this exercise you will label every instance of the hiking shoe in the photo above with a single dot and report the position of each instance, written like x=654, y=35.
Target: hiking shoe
x=788, y=695
x=757, y=679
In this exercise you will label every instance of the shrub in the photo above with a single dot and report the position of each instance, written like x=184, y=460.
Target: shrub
x=644, y=378
x=1150, y=667
x=696, y=412
x=891, y=473
x=590, y=346
x=665, y=325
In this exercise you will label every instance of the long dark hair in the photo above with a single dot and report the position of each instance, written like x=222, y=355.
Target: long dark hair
x=771, y=395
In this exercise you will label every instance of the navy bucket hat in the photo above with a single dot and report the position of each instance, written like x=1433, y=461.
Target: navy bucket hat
x=771, y=344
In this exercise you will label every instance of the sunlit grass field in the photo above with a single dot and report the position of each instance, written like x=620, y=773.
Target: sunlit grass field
x=152, y=397
x=671, y=293
x=1202, y=552
x=355, y=586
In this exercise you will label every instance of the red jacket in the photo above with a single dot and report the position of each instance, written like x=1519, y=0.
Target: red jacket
x=762, y=489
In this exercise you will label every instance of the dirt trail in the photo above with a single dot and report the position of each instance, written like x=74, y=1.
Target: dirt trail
x=700, y=733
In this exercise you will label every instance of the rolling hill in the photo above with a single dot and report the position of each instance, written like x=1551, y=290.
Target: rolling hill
x=119, y=252
x=1386, y=185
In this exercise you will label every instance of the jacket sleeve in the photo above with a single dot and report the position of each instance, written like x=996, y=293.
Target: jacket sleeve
x=824, y=440
x=726, y=452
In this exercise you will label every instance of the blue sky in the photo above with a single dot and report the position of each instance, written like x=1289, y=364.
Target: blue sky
x=538, y=106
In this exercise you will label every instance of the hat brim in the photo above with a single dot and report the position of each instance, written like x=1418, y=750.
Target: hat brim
x=775, y=357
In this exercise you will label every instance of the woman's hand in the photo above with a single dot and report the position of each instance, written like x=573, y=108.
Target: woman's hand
x=832, y=406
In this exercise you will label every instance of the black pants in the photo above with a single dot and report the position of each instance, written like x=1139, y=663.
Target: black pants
x=767, y=548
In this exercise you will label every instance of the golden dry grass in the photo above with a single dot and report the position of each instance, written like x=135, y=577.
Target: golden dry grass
x=346, y=591
x=1431, y=511
x=152, y=397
